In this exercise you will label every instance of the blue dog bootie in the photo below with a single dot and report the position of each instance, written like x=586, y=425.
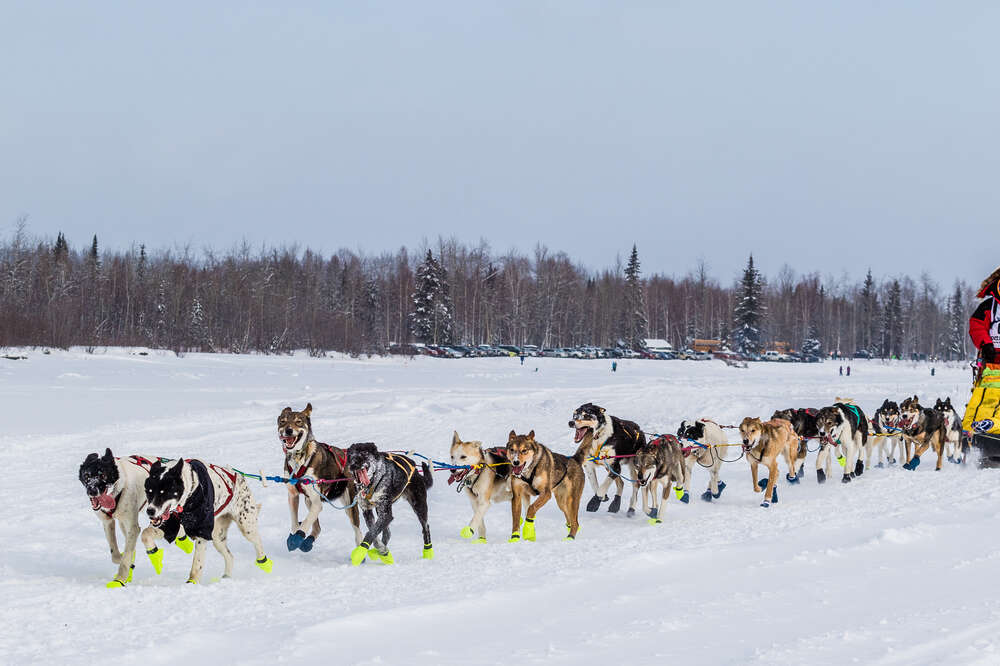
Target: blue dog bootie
x=722, y=486
x=295, y=540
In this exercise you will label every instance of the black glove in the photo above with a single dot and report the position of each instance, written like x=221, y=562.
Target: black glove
x=988, y=353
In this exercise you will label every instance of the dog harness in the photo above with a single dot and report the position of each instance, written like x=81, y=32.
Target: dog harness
x=341, y=459
x=409, y=475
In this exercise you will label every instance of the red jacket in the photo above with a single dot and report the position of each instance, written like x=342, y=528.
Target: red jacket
x=981, y=322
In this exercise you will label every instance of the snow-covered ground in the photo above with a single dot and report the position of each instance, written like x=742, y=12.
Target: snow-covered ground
x=897, y=567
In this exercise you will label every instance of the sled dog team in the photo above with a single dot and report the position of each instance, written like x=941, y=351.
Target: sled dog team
x=190, y=502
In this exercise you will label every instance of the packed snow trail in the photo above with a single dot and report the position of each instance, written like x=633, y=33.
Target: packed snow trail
x=895, y=568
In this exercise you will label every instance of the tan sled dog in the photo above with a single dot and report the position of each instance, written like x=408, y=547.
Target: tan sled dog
x=762, y=444
x=659, y=466
x=537, y=470
x=486, y=480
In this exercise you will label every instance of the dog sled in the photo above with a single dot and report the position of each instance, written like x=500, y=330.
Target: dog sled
x=981, y=424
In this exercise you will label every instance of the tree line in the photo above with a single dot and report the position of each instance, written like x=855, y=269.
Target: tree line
x=275, y=300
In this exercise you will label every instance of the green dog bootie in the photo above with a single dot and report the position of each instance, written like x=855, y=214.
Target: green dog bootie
x=428, y=552
x=359, y=554
x=184, y=544
x=466, y=532
x=265, y=564
x=480, y=540
x=528, y=528
x=156, y=559
x=842, y=461
x=516, y=536
x=115, y=583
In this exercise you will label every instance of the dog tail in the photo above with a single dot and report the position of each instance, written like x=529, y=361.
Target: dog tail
x=428, y=476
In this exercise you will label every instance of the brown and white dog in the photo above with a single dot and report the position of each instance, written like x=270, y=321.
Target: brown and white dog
x=305, y=457
x=538, y=471
x=927, y=426
x=485, y=480
x=763, y=442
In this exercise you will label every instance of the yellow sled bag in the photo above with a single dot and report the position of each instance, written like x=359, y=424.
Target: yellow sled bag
x=982, y=414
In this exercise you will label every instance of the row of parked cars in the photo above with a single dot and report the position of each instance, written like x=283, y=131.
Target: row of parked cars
x=463, y=351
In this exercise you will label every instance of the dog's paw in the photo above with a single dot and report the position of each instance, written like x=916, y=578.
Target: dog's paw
x=820, y=476
x=594, y=503
x=630, y=512
x=265, y=564
x=616, y=504
x=859, y=468
x=765, y=504
x=842, y=461
x=569, y=537
x=114, y=583
x=880, y=466
x=891, y=461
x=480, y=540
x=655, y=521
x=514, y=538
x=466, y=532
x=156, y=559
x=722, y=486
x=307, y=544
x=684, y=497
x=184, y=543
x=707, y=495
x=528, y=529
x=295, y=540
x=428, y=553
x=912, y=465
x=846, y=478
x=762, y=484
x=359, y=554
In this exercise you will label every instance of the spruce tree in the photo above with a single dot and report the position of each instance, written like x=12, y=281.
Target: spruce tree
x=870, y=320
x=635, y=303
x=811, y=345
x=956, y=324
x=749, y=312
x=892, y=323
x=431, y=319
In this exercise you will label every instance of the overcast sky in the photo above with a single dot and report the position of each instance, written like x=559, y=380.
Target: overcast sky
x=829, y=135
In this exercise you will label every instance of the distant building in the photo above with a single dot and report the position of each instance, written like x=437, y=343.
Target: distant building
x=710, y=346
x=783, y=347
x=658, y=345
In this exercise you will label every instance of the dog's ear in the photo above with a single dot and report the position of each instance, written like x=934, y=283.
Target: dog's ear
x=175, y=468
x=455, y=439
x=156, y=468
x=308, y=410
x=531, y=435
x=512, y=436
x=92, y=457
x=680, y=430
x=286, y=410
x=108, y=455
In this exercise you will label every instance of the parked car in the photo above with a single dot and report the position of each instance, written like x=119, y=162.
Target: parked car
x=530, y=350
x=772, y=355
x=700, y=356
x=510, y=350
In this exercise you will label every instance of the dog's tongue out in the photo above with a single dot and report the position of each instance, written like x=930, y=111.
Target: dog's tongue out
x=103, y=501
x=580, y=432
x=363, y=477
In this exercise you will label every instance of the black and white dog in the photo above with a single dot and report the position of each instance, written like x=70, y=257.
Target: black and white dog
x=381, y=479
x=204, y=499
x=612, y=436
x=953, y=429
x=885, y=423
x=845, y=427
x=115, y=488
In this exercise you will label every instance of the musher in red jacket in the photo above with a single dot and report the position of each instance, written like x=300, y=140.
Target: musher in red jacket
x=984, y=324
